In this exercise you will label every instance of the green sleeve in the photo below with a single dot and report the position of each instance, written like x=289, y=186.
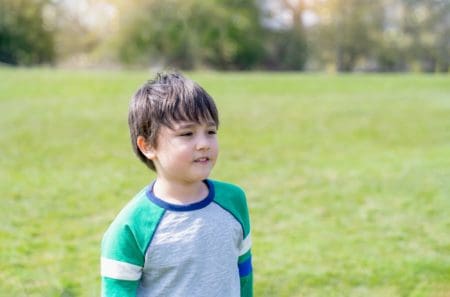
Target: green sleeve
x=121, y=249
x=118, y=288
x=247, y=286
x=246, y=274
x=124, y=246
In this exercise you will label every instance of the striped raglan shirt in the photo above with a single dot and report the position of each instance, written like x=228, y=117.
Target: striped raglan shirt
x=154, y=248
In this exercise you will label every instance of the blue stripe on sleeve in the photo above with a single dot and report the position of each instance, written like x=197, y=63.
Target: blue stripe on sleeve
x=245, y=268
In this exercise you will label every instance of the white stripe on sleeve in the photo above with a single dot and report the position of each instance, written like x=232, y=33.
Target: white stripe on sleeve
x=120, y=270
x=246, y=244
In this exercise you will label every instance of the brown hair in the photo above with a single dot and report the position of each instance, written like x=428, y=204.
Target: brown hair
x=168, y=98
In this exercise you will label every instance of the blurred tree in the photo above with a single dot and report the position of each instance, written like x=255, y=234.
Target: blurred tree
x=285, y=38
x=348, y=30
x=224, y=34
x=391, y=42
x=427, y=24
x=387, y=35
x=25, y=37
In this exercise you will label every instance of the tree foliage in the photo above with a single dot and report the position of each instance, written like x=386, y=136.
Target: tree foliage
x=24, y=37
x=347, y=35
x=388, y=35
x=347, y=31
x=427, y=24
x=286, y=44
x=223, y=34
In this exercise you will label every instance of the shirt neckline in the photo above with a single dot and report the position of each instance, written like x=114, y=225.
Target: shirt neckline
x=182, y=207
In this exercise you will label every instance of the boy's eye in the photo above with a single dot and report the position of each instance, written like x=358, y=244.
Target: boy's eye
x=212, y=132
x=186, y=134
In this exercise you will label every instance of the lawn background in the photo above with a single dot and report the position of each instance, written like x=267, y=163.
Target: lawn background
x=347, y=178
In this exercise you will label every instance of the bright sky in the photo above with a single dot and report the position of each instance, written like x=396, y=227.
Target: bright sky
x=283, y=17
x=92, y=13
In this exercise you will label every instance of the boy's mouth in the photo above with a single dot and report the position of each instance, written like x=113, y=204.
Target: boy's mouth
x=201, y=160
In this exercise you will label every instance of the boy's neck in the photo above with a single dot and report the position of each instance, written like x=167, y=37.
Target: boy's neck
x=180, y=193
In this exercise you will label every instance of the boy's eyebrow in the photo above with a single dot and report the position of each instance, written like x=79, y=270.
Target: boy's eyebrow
x=184, y=126
x=193, y=124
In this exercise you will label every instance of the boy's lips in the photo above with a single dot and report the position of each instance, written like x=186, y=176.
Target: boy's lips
x=201, y=160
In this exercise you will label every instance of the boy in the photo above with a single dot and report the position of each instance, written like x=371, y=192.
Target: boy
x=184, y=234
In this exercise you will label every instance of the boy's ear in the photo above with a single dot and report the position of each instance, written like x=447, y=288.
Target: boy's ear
x=145, y=148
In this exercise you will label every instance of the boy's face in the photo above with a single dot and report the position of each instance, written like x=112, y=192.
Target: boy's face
x=186, y=153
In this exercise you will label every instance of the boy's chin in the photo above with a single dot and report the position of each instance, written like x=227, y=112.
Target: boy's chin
x=201, y=176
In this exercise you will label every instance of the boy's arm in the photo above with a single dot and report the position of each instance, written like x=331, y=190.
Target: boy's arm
x=245, y=268
x=118, y=288
x=121, y=262
x=119, y=278
x=124, y=246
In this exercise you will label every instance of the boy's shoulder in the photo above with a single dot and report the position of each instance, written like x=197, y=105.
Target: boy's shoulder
x=127, y=237
x=137, y=214
x=227, y=190
x=229, y=193
x=232, y=198
x=137, y=207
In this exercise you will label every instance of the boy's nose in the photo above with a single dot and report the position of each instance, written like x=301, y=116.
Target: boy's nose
x=203, y=143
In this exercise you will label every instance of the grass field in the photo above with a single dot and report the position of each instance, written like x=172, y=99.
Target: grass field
x=347, y=177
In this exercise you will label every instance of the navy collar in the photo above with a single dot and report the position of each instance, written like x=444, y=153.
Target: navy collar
x=182, y=207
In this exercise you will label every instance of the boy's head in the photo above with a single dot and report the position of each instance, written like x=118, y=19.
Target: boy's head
x=167, y=99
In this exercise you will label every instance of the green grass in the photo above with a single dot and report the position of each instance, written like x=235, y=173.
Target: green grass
x=347, y=177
